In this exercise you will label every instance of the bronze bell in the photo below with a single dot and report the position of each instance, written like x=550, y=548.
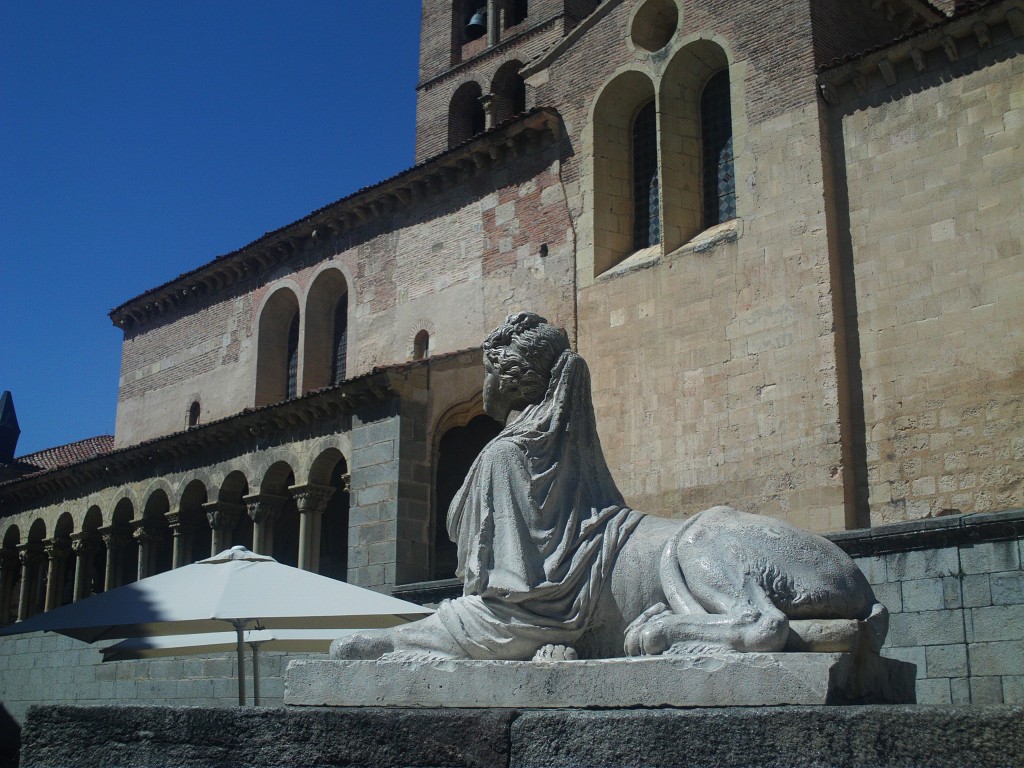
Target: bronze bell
x=477, y=23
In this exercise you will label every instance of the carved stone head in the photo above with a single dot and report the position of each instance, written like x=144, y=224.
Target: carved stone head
x=518, y=357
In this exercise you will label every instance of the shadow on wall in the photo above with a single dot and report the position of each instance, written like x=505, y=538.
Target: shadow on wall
x=10, y=739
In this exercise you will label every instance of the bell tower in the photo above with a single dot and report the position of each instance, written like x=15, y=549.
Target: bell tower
x=471, y=52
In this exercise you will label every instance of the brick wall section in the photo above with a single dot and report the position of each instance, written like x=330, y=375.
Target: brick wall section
x=848, y=27
x=936, y=184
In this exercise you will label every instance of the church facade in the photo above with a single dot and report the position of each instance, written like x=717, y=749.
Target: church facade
x=787, y=237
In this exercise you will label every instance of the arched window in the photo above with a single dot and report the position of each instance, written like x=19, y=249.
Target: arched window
x=340, y=348
x=719, y=178
x=646, y=215
x=625, y=170
x=277, y=356
x=508, y=90
x=465, y=114
x=193, y=414
x=326, y=337
x=292, y=387
x=421, y=345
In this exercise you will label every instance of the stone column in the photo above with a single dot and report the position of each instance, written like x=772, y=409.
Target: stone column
x=223, y=517
x=57, y=551
x=115, y=539
x=183, y=526
x=85, y=547
x=10, y=566
x=147, y=538
x=311, y=501
x=264, y=509
x=31, y=559
x=493, y=25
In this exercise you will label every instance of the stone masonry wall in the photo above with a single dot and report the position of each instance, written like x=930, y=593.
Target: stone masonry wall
x=935, y=175
x=454, y=263
x=954, y=587
x=715, y=367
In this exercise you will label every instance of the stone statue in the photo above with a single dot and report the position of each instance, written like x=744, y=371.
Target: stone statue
x=556, y=566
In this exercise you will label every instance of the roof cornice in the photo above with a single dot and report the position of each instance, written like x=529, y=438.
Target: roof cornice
x=324, y=406
x=889, y=63
x=522, y=134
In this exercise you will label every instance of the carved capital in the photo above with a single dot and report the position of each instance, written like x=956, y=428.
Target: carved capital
x=264, y=508
x=181, y=522
x=145, y=534
x=310, y=497
x=86, y=544
x=223, y=515
x=57, y=549
x=30, y=558
x=115, y=537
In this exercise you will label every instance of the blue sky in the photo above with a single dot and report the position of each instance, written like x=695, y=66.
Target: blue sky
x=139, y=140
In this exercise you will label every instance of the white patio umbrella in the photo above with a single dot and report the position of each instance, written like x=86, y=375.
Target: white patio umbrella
x=304, y=640
x=235, y=587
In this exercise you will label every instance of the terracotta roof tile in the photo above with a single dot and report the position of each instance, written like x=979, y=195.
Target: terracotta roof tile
x=65, y=455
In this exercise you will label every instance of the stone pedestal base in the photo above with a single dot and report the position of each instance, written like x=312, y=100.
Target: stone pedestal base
x=741, y=737
x=749, y=679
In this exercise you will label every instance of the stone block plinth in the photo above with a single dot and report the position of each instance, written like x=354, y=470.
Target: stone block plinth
x=748, y=679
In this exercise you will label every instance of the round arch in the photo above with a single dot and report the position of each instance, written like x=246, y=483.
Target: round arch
x=466, y=116
x=326, y=337
x=277, y=346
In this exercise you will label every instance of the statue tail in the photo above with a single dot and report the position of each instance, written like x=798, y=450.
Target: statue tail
x=673, y=582
x=878, y=626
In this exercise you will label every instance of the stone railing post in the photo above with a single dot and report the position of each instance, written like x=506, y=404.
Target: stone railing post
x=85, y=546
x=264, y=509
x=223, y=517
x=311, y=501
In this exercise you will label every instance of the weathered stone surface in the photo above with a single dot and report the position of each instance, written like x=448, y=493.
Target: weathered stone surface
x=754, y=679
x=772, y=737
x=824, y=737
x=101, y=737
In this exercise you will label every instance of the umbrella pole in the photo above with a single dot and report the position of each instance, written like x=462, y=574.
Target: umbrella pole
x=241, y=663
x=255, y=673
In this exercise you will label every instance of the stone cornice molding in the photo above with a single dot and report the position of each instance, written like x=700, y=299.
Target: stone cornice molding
x=453, y=168
x=905, y=58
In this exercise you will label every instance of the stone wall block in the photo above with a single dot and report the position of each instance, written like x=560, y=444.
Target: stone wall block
x=873, y=568
x=997, y=623
x=933, y=691
x=926, y=628
x=946, y=661
x=990, y=557
x=977, y=591
x=986, y=690
x=923, y=594
x=1004, y=658
x=922, y=564
x=1013, y=689
x=1007, y=588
